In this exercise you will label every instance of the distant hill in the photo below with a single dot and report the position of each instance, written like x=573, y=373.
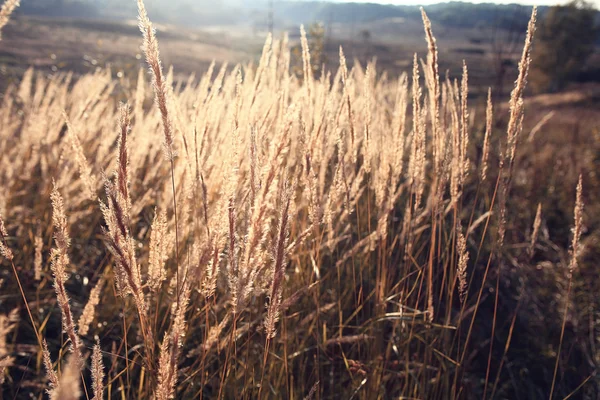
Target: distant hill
x=224, y=12
x=452, y=14
x=56, y=8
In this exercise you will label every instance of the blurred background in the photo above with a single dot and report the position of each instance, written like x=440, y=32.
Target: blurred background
x=82, y=35
x=561, y=119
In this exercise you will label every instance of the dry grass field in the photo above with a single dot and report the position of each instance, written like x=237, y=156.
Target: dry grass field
x=55, y=45
x=265, y=230
x=79, y=45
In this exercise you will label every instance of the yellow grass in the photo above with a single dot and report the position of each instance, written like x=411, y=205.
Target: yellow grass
x=258, y=234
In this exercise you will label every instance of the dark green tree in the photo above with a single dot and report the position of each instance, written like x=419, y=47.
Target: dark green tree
x=563, y=43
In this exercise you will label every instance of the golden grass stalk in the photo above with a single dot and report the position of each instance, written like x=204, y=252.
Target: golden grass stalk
x=209, y=283
x=575, y=245
x=253, y=166
x=150, y=47
x=486, y=139
x=313, y=391
x=5, y=12
x=37, y=259
x=159, y=246
x=253, y=259
x=122, y=246
x=416, y=169
x=7, y=324
x=89, y=311
x=50, y=373
x=275, y=293
x=463, y=160
x=230, y=189
x=68, y=387
x=97, y=373
x=123, y=159
x=538, y=127
x=537, y=222
x=516, y=96
x=367, y=146
x=4, y=249
x=59, y=264
x=400, y=127
x=212, y=337
x=455, y=167
x=24, y=92
x=161, y=90
x=171, y=348
x=348, y=96
x=578, y=226
x=433, y=84
x=117, y=216
x=515, y=125
x=463, y=259
x=85, y=170
x=306, y=64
